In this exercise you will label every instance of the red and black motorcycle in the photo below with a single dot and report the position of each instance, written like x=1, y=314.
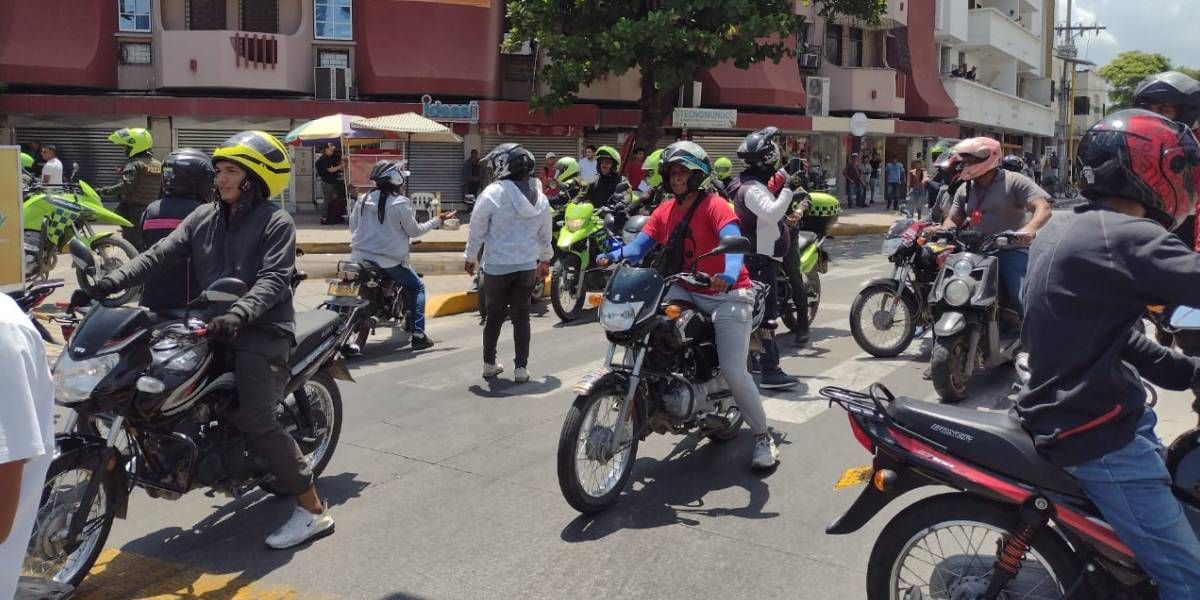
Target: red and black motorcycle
x=1016, y=525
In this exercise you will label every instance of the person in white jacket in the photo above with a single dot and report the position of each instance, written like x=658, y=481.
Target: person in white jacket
x=512, y=224
x=381, y=227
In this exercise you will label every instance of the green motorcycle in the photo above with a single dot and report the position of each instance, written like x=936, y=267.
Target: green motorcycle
x=53, y=216
x=823, y=212
x=585, y=235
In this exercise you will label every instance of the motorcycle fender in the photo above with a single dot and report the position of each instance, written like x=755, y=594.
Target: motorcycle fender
x=950, y=323
x=95, y=238
x=808, y=258
x=108, y=217
x=906, y=291
x=871, y=500
x=68, y=443
x=337, y=368
x=567, y=238
x=597, y=379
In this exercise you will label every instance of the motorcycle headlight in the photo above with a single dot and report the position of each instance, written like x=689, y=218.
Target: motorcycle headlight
x=963, y=268
x=574, y=224
x=74, y=380
x=619, y=316
x=957, y=292
x=890, y=246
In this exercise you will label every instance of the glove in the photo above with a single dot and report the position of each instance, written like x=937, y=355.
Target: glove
x=225, y=326
x=79, y=298
x=103, y=287
x=796, y=181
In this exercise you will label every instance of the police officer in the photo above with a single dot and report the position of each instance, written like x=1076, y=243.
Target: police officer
x=141, y=179
x=187, y=178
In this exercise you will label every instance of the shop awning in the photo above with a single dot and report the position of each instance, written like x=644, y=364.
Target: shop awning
x=762, y=84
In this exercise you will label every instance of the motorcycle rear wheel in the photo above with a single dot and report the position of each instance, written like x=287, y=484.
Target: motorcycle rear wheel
x=584, y=430
x=567, y=296
x=114, y=252
x=329, y=399
x=948, y=366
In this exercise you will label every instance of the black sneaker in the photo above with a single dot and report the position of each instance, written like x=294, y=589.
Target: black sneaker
x=777, y=380
x=801, y=340
x=421, y=342
x=927, y=374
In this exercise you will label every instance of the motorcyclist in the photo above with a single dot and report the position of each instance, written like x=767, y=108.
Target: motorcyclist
x=702, y=218
x=761, y=215
x=566, y=173
x=1013, y=163
x=243, y=235
x=650, y=192
x=382, y=224
x=723, y=176
x=603, y=191
x=1091, y=275
x=1177, y=97
x=187, y=184
x=946, y=181
x=27, y=179
x=141, y=179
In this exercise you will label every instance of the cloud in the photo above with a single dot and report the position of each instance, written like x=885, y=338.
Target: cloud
x=1135, y=25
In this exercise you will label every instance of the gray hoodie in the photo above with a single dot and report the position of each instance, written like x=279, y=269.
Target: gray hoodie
x=512, y=226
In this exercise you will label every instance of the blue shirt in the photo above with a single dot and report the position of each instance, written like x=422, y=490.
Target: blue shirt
x=895, y=172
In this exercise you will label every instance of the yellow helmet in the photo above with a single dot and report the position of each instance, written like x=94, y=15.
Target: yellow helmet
x=135, y=139
x=262, y=156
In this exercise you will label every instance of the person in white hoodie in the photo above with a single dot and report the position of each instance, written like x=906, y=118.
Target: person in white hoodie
x=381, y=227
x=512, y=224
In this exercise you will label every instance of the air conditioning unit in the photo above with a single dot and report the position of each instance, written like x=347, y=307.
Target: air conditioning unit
x=817, y=90
x=810, y=61
x=525, y=49
x=331, y=83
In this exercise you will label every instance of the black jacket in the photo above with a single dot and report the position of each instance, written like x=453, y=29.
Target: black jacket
x=253, y=242
x=1091, y=276
x=177, y=285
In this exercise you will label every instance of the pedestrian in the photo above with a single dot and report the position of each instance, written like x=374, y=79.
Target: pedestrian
x=26, y=437
x=331, y=169
x=876, y=167
x=633, y=168
x=52, y=168
x=971, y=74
x=589, y=170
x=895, y=183
x=917, y=192
x=1037, y=169
x=855, y=195
x=141, y=179
x=472, y=174
x=512, y=225
x=34, y=149
x=548, y=176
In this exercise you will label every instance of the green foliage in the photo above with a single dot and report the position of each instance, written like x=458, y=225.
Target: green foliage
x=867, y=10
x=1190, y=72
x=1127, y=70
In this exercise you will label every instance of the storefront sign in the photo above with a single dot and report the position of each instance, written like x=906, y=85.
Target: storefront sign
x=704, y=118
x=12, y=265
x=449, y=113
x=518, y=130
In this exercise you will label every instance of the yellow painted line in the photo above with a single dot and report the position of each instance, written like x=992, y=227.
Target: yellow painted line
x=121, y=575
x=454, y=303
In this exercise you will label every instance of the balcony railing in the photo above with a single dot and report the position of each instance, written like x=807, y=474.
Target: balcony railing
x=255, y=50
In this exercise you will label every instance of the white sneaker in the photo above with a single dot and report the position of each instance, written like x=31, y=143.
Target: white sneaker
x=300, y=528
x=766, y=455
x=490, y=371
x=521, y=375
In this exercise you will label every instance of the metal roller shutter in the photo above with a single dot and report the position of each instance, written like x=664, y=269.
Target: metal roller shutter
x=602, y=138
x=436, y=168
x=538, y=145
x=718, y=146
x=207, y=140
x=100, y=161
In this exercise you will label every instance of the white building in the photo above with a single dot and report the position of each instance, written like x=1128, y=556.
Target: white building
x=1008, y=45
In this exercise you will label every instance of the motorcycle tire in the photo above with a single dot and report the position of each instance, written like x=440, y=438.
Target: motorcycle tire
x=954, y=510
x=109, y=497
x=569, y=307
x=324, y=380
x=947, y=366
x=130, y=253
x=869, y=294
x=568, y=463
x=812, y=282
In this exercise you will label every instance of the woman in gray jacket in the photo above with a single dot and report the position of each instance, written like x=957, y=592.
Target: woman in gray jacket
x=512, y=224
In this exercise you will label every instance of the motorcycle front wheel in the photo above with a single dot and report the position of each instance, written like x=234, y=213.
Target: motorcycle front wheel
x=881, y=322
x=948, y=367
x=589, y=478
x=566, y=287
x=113, y=253
x=945, y=546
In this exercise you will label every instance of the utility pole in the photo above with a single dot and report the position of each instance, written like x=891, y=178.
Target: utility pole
x=1066, y=92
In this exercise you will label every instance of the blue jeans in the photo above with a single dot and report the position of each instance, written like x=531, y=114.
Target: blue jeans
x=1132, y=489
x=855, y=194
x=414, y=292
x=1013, y=264
x=873, y=186
x=893, y=195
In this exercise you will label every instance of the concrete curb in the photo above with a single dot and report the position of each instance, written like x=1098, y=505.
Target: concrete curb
x=853, y=230
x=456, y=303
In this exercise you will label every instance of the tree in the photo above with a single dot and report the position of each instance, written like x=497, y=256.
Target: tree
x=1190, y=72
x=667, y=41
x=1127, y=70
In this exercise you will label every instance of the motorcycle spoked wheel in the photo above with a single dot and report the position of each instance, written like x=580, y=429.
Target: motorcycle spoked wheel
x=323, y=392
x=948, y=367
x=589, y=481
x=566, y=294
x=113, y=252
x=882, y=323
x=928, y=537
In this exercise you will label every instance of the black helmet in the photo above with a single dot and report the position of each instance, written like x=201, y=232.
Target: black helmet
x=690, y=155
x=1141, y=156
x=1170, y=87
x=761, y=149
x=509, y=161
x=1013, y=163
x=188, y=172
x=388, y=175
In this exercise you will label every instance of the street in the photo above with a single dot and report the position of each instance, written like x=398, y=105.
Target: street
x=443, y=485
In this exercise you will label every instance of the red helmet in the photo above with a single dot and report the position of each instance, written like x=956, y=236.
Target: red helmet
x=980, y=156
x=1141, y=156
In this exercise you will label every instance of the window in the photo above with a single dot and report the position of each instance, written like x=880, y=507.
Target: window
x=135, y=53
x=260, y=16
x=333, y=58
x=134, y=15
x=333, y=20
x=833, y=44
x=205, y=15
x=855, y=59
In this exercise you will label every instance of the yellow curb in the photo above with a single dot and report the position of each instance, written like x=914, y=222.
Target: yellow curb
x=457, y=303
x=344, y=247
x=121, y=575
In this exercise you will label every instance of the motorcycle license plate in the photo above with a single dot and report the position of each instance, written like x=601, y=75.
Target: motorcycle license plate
x=594, y=299
x=345, y=290
x=854, y=476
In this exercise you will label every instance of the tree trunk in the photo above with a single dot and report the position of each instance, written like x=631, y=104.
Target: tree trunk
x=654, y=103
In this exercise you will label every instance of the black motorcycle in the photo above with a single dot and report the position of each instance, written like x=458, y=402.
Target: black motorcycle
x=32, y=296
x=367, y=298
x=661, y=375
x=151, y=396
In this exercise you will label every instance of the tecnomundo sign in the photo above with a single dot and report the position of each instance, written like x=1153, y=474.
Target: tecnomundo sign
x=449, y=113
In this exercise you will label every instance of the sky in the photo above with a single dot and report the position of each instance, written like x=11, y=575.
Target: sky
x=1162, y=26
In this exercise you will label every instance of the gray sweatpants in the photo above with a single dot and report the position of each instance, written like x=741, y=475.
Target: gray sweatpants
x=731, y=314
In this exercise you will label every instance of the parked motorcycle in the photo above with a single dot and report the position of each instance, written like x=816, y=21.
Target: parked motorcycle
x=587, y=233
x=150, y=400
x=55, y=215
x=811, y=234
x=661, y=375
x=367, y=298
x=32, y=296
x=888, y=311
x=968, y=314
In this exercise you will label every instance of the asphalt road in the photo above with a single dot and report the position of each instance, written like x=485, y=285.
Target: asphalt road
x=444, y=486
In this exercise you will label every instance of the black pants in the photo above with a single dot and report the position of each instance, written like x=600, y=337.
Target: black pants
x=765, y=269
x=791, y=266
x=508, y=294
x=132, y=213
x=260, y=364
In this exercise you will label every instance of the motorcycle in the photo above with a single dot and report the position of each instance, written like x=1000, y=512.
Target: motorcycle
x=367, y=298
x=661, y=375
x=150, y=398
x=34, y=294
x=55, y=215
x=968, y=314
x=586, y=234
x=888, y=311
x=822, y=213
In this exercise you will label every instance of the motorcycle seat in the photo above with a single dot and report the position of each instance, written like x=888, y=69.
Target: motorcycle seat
x=312, y=328
x=635, y=224
x=992, y=440
x=803, y=239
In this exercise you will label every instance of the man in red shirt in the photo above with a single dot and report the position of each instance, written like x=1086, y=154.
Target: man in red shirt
x=547, y=176
x=633, y=168
x=730, y=300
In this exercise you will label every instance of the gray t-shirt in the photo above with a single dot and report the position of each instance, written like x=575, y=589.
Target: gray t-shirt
x=1004, y=205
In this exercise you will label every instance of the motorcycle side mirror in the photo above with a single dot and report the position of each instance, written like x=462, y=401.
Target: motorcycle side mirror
x=81, y=255
x=224, y=290
x=731, y=244
x=1185, y=317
